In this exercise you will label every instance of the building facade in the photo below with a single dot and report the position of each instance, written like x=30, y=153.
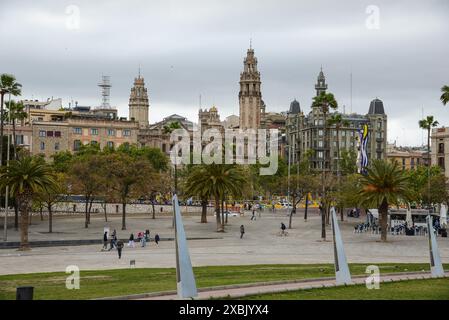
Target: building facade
x=439, y=150
x=408, y=158
x=306, y=133
x=209, y=119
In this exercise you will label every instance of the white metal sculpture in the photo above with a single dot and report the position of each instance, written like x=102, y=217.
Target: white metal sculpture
x=342, y=274
x=436, y=268
x=186, y=285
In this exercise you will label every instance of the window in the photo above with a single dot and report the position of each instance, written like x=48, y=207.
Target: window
x=343, y=133
x=57, y=134
x=76, y=145
x=320, y=122
x=94, y=131
x=42, y=145
x=111, y=132
x=77, y=131
x=343, y=144
x=94, y=143
x=441, y=162
x=379, y=125
x=441, y=148
x=56, y=146
x=320, y=144
x=320, y=132
x=379, y=135
x=320, y=154
x=126, y=133
x=49, y=133
x=19, y=139
x=42, y=133
x=110, y=144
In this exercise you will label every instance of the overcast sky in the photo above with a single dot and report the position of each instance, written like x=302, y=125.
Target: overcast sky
x=187, y=48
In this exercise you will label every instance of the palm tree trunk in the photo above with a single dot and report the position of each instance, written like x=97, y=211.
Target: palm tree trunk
x=105, y=212
x=50, y=219
x=323, y=222
x=124, y=215
x=25, y=199
x=217, y=214
x=40, y=213
x=383, y=211
x=204, y=211
x=341, y=212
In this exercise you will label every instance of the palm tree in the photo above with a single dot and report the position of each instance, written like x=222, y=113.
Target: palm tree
x=325, y=101
x=385, y=184
x=26, y=177
x=445, y=95
x=8, y=84
x=204, y=195
x=16, y=112
x=216, y=180
x=427, y=124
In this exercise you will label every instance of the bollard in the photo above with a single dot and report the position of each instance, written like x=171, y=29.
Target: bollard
x=24, y=293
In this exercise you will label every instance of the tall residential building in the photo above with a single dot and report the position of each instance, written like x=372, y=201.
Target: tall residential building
x=138, y=103
x=439, y=150
x=250, y=97
x=306, y=132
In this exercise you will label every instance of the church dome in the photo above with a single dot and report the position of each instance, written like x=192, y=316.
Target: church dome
x=294, y=107
x=376, y=107
x=213, y=109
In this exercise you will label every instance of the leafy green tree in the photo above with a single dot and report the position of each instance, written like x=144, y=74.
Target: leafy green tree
x=87, y=178
x=348, y=162
x=26, y=177
x=129, y=178
x=62, y=161
x=384, y=185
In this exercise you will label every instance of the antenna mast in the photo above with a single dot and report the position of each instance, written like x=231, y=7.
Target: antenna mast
x=105, y=86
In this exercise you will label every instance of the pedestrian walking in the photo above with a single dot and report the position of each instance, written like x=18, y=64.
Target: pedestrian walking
x=242, y=231
x=283, y=227
x=119, y=248
x=253, y=217
x=157, y=238
x=143, y=241
x=131, y=240
x=113, y=242
x=105, y=240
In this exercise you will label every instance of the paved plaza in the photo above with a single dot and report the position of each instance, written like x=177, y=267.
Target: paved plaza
x=261, y=243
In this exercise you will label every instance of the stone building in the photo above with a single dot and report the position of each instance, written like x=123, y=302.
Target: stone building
x=251, y=105
x=439, y=148
x=407, y=157
x=156, y=135
x=209, y=119
x=138, y=103
x=306, y=132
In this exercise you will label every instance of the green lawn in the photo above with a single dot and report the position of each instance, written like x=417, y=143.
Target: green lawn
x=107, y=283
x=432, y=289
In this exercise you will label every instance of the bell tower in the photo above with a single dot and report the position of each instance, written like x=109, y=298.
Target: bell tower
x=250, y=96
x=138, y=103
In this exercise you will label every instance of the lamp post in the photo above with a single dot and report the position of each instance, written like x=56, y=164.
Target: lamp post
x=5, y=231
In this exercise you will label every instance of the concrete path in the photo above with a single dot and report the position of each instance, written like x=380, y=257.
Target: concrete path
x=242, y=291
x=261, y=244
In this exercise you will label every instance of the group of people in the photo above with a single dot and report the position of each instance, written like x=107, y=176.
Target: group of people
x=142, y=237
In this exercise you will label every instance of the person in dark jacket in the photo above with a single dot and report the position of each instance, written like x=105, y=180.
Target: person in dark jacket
x=242, y=231
x=105, y=240
x=157, y=239
x=119, y=248
x=131, y=240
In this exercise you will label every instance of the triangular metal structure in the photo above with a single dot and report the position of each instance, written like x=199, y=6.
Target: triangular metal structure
x=342, y=274
x=186, y=285
x=436, y=268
